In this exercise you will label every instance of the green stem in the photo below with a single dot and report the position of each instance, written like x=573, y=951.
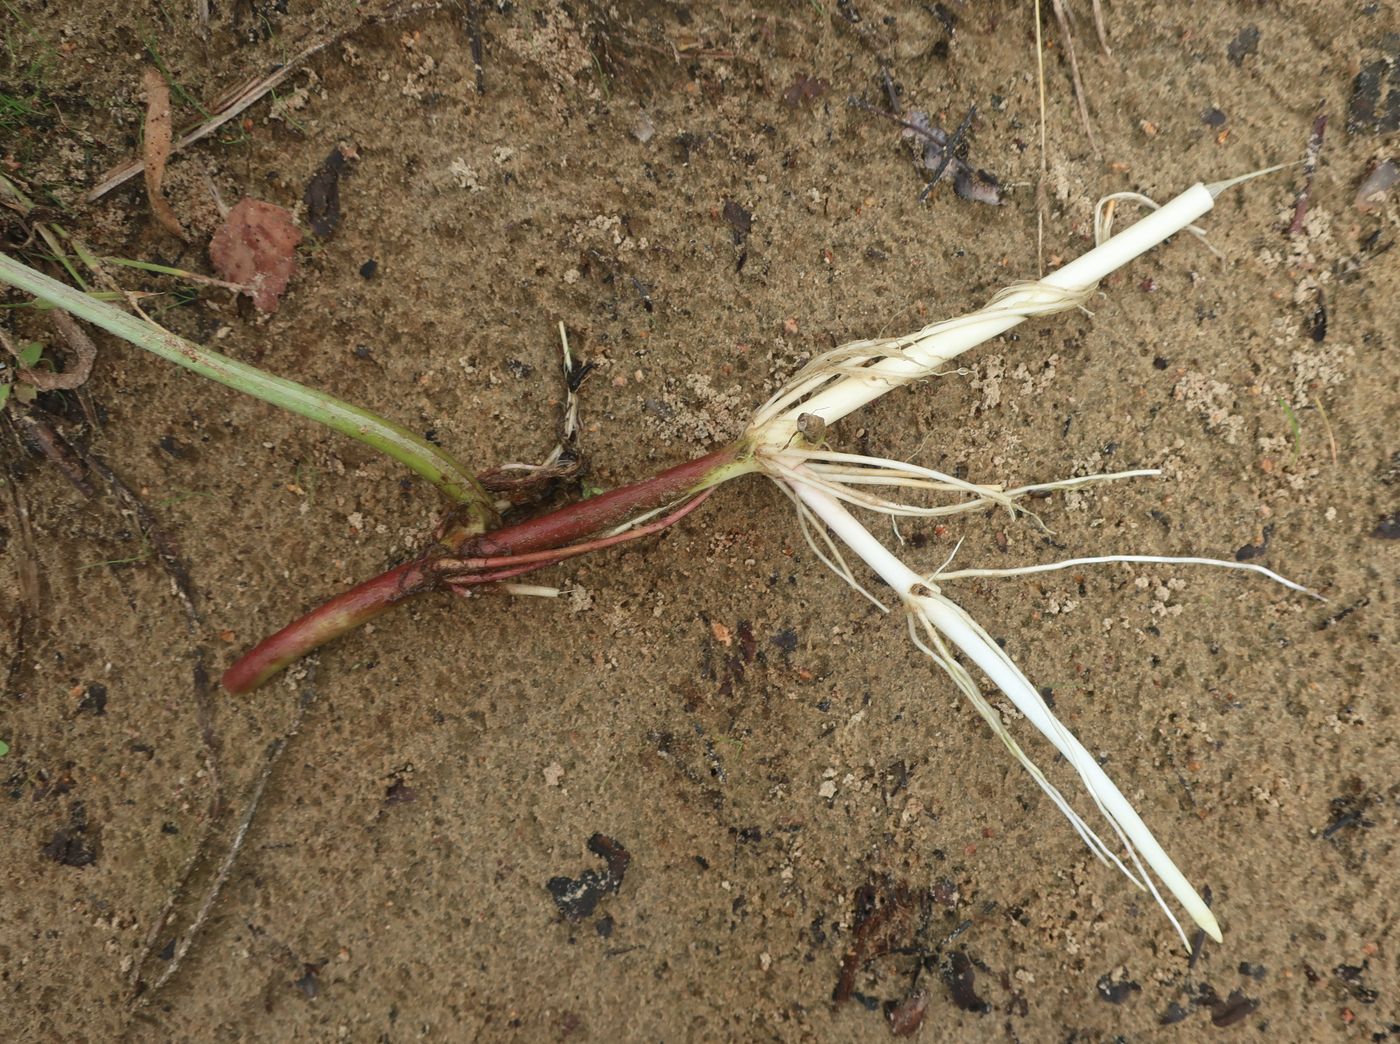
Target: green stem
x=419, y=455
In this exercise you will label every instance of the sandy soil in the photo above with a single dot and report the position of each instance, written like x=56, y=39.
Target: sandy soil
x=407, y=871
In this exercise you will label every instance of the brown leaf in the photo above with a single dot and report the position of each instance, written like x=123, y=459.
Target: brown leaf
x=804, y=91
x=84, y=351
x=157, y=148
x=1382, y=178
x=256, y=246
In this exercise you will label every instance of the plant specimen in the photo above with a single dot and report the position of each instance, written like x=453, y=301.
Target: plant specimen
x=787, y=442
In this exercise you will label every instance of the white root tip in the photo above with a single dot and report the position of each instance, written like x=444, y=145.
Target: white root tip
x=1217, y=187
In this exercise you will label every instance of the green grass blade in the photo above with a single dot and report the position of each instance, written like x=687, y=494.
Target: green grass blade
x=419, y=455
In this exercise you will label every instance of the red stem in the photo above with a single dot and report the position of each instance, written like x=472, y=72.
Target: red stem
x=553, y=531
x=543, y=558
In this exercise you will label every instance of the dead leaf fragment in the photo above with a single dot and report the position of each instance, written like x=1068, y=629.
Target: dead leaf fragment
x=84, y=352
x=804, y=91
x=1382, y=178
x=256, y=246
x=157, y=148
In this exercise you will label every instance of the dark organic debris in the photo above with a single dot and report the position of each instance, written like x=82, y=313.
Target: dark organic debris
x=1115, y=987
x=70, y=848
x=1235, y=1008
x=1375, y=94
x=399, y=793
x=577, y=898
x=1175, y=1013
x=75, y=844
x=977, y=186
x=369, y=268
x=907, y=1016
x=960, y=975
x=1198, y=941
x=1389, y=527
x=1349, y=810
x=1345, y=611
x=887, y=919
x=739, y=219
x=937, y=152
x=1245, y=43
x=1349, y=975
x=43, y=439
x=473, y=20
x=1381, y=179
x=94, y=700
x=1310, y=157
x=310, y=981
x=804, y=91
x=256, y=246
x=322, y=196
x=181, y=451
x=1249, y=551
x=1317, y=322
x=946, y=17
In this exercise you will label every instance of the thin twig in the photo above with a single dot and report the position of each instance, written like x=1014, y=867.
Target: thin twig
x=1081, y=101
x=1040, y=203
x=234, y=102
x=1099, y=27
x=1300, y=208
x=43, y=437
x=203, y=714
x=271, y=759
x=948, y=148
x=474, y=35
x=204, y=718
x=1331, y=439
x=165, y=548
x=526, y=483
x=30, y=599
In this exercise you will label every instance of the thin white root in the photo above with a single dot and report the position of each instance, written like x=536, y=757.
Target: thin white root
x=1105, y=207
x=942, y=619
x=784, y=437
x=1070, y=563
x=831, y=557
x=840, y=473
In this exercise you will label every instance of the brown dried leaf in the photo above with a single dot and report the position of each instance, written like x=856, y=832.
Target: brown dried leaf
x=157, y=148
x=84, y=352
x=1382, y=178
x=256, y=246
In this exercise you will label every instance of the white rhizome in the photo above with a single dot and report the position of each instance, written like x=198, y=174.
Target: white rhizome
x=788, y=436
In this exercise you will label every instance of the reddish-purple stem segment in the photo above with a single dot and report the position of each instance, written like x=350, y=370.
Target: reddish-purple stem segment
x=451, y=566
x=555, y=531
